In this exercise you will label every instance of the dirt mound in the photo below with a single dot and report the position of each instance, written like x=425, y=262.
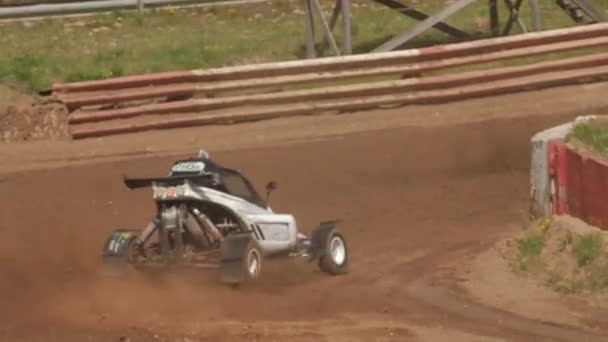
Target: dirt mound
x=563, y=253
x=22, y=118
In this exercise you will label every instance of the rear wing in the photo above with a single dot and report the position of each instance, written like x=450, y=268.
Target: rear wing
x=136, y=183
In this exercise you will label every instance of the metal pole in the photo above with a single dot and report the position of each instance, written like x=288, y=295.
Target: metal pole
x=536, y=20
x=494, y=18
x=347, y=47
x=513, y=16
x=332, y=23
x=415, y=14
x=70, y=8
x=592, y=12
x=140, y=7
x=310, y=31
x=325, y=26
x=335, y=13
x=520, y=22
x=423, y=26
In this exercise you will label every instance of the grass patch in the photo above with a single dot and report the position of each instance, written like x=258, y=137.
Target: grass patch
x=529, y=249
x=531, y=246
x=28, y=70
x=593, y=135
x=4, y=71
x=125, y=43
x=86, y=75
x=588, y=248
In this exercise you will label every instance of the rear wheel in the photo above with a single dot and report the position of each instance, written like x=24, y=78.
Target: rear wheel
x=118, y=251
x=332, y=250
x=242, y=259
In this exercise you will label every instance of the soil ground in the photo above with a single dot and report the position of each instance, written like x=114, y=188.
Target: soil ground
x=22, y=119
x=423, y=192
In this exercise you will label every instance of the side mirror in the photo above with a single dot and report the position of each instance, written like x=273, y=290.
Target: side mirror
x=270, y=187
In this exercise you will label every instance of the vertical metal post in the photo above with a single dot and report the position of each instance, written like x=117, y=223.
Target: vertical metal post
x=140, y=6
x=332, y=23
x=316, y=6
x=335, y=13
x=535, y=12
x=494, y=18
x=347, y=48
x=310, y=30
x=514, y=18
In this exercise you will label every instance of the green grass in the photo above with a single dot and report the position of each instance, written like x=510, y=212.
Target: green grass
x=124, y=43
x=28, y=70
x=593, y=135
x=588, y=248
x=531, y=246
x=529, y=249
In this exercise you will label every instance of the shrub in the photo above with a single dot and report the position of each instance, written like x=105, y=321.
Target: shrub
x=592, y=135
x=588, y=248
x=531, y=246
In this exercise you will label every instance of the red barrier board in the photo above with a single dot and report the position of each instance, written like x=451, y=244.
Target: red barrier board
x=575, y=183
x=579, y=184
x=595, y=189
x=559, y=176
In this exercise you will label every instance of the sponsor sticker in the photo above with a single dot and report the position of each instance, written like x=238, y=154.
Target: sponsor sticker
x=188, y=167
x=170, y=192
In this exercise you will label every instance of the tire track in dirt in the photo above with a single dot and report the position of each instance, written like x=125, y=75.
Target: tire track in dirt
x=439, y=289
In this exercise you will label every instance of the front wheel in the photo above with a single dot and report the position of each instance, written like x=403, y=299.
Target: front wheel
x=333, y=250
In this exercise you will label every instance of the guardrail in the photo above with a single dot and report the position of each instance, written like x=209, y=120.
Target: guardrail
x=85, y=7
x=337, y=84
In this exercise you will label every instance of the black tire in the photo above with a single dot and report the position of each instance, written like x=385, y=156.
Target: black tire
x=332, y=249
x=118, y=251
x=242, y=259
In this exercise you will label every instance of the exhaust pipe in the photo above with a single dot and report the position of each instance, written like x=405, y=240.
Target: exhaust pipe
x=206, y=223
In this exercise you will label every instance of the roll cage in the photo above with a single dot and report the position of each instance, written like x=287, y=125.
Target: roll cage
x=234, y=183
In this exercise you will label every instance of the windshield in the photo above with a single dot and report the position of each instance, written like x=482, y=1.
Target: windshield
x=238, y=186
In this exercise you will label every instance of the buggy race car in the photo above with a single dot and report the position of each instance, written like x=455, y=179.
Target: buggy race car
x=211, y=216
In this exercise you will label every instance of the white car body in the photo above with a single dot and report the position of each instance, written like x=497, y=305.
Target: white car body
x=275, y=233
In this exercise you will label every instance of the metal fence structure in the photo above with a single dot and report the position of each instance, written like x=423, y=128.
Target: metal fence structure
x=581, y=11
x=85, y=7
x=334, y=84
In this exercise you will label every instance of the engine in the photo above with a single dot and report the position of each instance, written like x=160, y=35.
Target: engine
x=202, y=225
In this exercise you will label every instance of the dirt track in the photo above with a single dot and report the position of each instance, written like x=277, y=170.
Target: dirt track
x=417, y=203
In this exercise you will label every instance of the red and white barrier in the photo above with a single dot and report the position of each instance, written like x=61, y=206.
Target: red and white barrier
x=565, y=180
